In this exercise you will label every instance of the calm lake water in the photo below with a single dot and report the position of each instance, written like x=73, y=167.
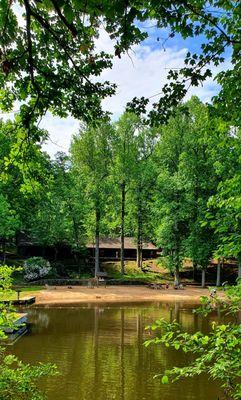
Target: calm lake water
x=100, y=354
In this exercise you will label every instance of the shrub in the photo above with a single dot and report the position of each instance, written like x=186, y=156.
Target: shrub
x=36, y=268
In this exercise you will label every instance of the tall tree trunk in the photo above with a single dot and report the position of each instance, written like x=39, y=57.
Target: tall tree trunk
x=122, y=254
x=176, y=265
x=97, y=241
x=203, y=277
x=139, y=254
x=218, y=281
x=176, y=276
x=139, y=236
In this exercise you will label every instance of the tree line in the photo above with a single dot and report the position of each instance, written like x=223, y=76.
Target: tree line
x=177, y=185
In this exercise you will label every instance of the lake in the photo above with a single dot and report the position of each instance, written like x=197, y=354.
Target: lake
x=100, y=354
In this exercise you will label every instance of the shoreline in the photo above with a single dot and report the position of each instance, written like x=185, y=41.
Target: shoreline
x=61, y=295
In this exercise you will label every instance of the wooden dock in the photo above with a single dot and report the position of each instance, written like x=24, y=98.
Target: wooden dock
x=18, y=329
x=25, y=301
x=20, y=320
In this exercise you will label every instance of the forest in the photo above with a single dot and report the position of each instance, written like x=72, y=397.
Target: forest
x=176, y=185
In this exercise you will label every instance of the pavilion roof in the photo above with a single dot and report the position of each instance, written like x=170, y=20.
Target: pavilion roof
x=115, y=243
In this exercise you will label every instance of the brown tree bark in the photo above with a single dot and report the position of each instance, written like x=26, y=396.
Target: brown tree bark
x=122, y=253
x=203, y=278
x=139, y=241
x=218, y=280
x=176, y=276
x=97, y=241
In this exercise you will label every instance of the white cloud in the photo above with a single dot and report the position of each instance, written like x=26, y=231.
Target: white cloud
x=142, y=72
x=61, y=130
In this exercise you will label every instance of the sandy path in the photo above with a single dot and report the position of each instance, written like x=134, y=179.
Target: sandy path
x=115, y=294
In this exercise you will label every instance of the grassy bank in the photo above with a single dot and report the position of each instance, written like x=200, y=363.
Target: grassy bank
x=151, y=271
x=25, y=291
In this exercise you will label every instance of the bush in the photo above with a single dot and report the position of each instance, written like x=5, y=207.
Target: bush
x=36, y=268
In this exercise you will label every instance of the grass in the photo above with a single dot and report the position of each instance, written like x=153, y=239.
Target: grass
x=25, y=291
x=29, y=288
x=153, y=272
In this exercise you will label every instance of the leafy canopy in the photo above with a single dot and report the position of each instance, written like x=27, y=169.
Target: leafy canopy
x=49, y=59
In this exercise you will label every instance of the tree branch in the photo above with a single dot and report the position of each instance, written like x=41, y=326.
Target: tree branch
x=48, y=27
x=210, y=20
x=29, y=40
x=70, y=26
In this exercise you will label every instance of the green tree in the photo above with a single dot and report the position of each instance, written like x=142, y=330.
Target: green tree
x=171, y=206
x=9, y=223
x=125, y=154
x=21, y=179
x=91, y=157
x=196, y=166
x=142, y=189
x=224, y=207
x=188, y=155
x=57, y=217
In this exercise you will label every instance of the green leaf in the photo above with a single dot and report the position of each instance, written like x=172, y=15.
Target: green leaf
x=78, y=5
x=68, y=12
x=165, y=379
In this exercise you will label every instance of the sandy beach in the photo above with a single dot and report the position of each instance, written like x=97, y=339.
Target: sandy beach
x=116, y=294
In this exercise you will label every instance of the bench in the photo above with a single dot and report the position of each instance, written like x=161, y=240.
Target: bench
x=101, y=278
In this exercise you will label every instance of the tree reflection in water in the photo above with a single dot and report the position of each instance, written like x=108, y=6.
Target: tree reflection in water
x=100, y=354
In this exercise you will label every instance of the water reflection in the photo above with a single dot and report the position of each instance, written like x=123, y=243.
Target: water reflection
x=100, y=354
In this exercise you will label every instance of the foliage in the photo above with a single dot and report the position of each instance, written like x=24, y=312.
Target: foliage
x=36, y=268
x=57, y=218
x=224, y=213
x=188, y=156
x=9, y=221
x=216, y=353
x=49, y=52
x=7, y=315
x=18, y=381
x=22, y=162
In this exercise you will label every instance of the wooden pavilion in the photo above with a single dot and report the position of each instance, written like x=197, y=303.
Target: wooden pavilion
x=110, y=249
